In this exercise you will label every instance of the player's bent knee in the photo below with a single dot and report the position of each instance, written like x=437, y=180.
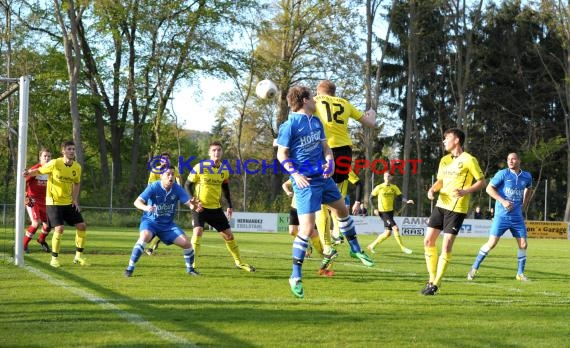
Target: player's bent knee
x=227, y=238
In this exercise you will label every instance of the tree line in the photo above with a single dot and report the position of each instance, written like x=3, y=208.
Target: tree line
x=104, y=72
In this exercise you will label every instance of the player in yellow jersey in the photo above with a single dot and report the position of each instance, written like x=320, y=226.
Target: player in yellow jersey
x=62, y=201
x=455, y=176
x=155, y=176
x=334, y=113
x=207, y=181
x=387, y=193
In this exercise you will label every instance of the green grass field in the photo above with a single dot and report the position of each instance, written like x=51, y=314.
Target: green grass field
x=161, y=306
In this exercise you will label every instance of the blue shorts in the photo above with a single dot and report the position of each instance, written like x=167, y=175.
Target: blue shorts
x=320, y=191
x=507, y=222
x=166, y=233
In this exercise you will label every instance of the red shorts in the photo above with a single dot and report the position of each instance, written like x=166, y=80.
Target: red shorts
x=38, y=212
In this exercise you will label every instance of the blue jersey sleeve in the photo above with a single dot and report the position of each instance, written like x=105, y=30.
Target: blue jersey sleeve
x=148, y=193
x=284, y=135
x=181, y=193
x=498, y=179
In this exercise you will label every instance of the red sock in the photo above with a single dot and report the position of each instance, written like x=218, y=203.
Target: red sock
x=43, y=235
x=29, y=234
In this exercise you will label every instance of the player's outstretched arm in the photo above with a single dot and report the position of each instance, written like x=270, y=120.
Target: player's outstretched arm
x=30, y=172
x=368, y=119
x=194, y=204
x=141, y=204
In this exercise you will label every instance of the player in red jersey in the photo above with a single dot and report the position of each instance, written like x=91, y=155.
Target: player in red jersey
x=36, y=203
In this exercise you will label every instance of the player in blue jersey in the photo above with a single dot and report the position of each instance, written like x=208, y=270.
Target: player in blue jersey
x=304, y=153
x=159, y=201
x=511, y=188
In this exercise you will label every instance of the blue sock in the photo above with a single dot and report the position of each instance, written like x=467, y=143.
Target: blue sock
x=299, y=249
x=136, y=254
x=483, y=252
x=346, y=226
x=521, y=255
x=189, y=258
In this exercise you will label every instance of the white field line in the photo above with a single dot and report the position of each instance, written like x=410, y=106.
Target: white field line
x=105, y=304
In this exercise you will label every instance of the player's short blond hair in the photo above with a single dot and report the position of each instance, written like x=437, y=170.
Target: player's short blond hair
x=326, y=87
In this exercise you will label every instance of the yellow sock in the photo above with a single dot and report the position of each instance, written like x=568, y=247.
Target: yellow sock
x=316, y=240
x=196, y=244
x=322, y=220
x=153, y=242
x=431, y=261
x=336, y=226
x=56, y=242
x=444, y=260
x=233, y=248
x=380, y=239
x=398, y=238
x=79, y=243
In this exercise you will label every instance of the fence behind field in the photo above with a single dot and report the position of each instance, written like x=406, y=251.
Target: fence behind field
x=101, y=216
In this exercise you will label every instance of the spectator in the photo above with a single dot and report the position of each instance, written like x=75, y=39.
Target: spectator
x=478, y=214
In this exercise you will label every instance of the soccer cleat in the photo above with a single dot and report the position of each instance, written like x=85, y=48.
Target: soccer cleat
x=521, y=277
x=54, y=262
x=245, y=267
x=80, y=261
x=371, y=249
x=45, y=246
x=327, y=259
x=472, y=273
x=296, y=287
x=149, y=251
x=426, y=288
x=326, y=272
x=429, y=289
x=366, y=261
x=407, y=251
x=26, y=250
x=193, y=272
x=129, y=273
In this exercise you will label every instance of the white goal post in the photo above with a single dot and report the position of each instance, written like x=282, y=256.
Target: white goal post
x=24, y=83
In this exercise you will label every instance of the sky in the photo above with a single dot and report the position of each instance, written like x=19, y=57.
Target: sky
x=195, y=106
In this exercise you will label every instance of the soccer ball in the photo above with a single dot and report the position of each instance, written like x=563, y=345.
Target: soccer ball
x=266, y=89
